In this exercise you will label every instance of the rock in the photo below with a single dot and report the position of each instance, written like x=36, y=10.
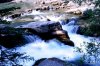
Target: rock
x=15, y=15
x=4, y=1
x=78, y=12
x=43, y=2
x=71, y=3
x=12, y=37
x=55, y=3
x=43, y=8
x=11, y=41
x=62, y=36
x=52, y=62
x=45, y=30
x=48, y=30
x=42, y=27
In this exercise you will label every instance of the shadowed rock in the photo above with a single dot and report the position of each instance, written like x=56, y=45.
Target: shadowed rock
x=52, y=62
x=49, y=30
x=46, y=30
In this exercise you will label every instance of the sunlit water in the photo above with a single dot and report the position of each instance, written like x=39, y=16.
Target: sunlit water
x=38, y=48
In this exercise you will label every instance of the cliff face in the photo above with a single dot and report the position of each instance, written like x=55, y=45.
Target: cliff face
x=3, y=1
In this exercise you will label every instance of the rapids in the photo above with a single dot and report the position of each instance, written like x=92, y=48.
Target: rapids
x=39, y=48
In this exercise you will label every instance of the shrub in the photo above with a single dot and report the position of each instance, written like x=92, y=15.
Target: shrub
x=92, y=54
x=11, y=58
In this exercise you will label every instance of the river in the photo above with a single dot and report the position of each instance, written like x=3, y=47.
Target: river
x=39, y=48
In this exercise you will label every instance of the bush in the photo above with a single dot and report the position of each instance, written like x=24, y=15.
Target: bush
x=87, y=14
x=6, y=11
x=92, y=30
x=91, y=23
x=11, y=58
x=92, y=54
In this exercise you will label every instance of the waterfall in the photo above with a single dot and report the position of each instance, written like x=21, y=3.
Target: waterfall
x=70, y=27
x=30, y=38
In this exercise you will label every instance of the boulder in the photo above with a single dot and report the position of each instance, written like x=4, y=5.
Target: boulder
x=11, y=41
x=42, y=27
x=77, y=12
x=52, y=62
x=12, y=37
x=15, y=36
x=62, y=36
x=15, y=15
x=48, y=30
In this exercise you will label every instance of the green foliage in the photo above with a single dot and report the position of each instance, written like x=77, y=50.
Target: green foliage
x=97, y=3
x=11, y=58
x=91, y=30
x=5, y=22
x=91, y=23
x=88, y=14
x=92, y=54
x=8, y=10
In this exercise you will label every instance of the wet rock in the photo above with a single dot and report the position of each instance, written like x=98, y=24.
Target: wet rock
x=78, y=12
x=11, y=41
x=52, y=62
x=62, y=36
x=43, y=8
x=42, y=27
x=15, y=15
x=12, y=37
x=48, y=30
x=45, y=30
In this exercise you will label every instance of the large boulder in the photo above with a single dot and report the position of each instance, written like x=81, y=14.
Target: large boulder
x=12, y=37
x=52, y=62
x=42, y=26
x=15, y=36
x=49, y=30
x=43, y=29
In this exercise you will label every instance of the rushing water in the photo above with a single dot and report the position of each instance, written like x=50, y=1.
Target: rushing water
x=38, y=48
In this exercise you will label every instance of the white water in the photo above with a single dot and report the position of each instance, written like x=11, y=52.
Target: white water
x=7, y=18
x=53, y=48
